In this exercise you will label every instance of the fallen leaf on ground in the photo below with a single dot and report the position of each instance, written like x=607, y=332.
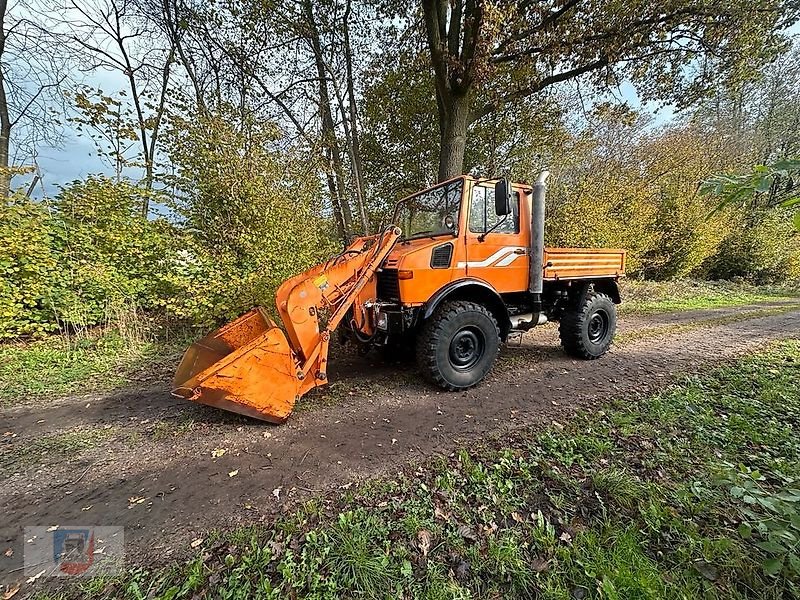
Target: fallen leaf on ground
x=467, y=533
x=53, y=528
x=134, y=500
x=10, y=592
x=565, y=537
x=233, y=473
x=277, y=492
x=196, y=542
x=217, y=452
x=8, y=552
x=707, y=570
x=461, y=569
x=35, y=577
x=424, y=541
x=539, y=565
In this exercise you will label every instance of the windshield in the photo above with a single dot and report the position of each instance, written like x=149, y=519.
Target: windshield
x=432, y=212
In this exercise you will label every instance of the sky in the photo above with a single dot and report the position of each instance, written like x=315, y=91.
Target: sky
x=76, y=156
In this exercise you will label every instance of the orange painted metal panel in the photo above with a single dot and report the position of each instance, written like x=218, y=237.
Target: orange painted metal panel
x=573, y=263
x=246, y=367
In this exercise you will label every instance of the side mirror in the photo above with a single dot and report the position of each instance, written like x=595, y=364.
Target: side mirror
x=502, y=197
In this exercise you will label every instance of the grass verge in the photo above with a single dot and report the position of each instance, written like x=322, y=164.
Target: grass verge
x=647, y=297
x=692, y=493
x=58, y=366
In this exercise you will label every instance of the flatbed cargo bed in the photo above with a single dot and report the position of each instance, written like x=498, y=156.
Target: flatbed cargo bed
x=577, y=263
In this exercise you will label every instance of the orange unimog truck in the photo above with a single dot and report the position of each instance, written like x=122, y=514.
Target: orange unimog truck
x=463, y=267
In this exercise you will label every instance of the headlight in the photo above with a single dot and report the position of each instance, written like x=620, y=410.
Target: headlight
x=382, y=321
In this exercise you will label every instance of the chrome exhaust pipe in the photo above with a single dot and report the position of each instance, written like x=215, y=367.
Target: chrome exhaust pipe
x=527, y=321
x=536, y=266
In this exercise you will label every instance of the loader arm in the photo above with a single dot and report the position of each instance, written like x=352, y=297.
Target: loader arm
x=325, y=293
x=251, y=367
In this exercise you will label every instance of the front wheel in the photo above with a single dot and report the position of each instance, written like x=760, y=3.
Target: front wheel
x=587, y=330
x=458, y=345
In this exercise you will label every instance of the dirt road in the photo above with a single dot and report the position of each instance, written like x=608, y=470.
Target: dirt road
x=169, y=470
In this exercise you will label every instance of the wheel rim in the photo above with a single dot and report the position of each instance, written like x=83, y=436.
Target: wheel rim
x=467, y=348
x=598, y=326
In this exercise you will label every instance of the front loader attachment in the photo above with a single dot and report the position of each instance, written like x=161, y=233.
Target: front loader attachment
x=246, y=367
x=250, y=366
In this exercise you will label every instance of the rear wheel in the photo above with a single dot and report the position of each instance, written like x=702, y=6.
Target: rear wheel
x=587, y=330
x=458, y=345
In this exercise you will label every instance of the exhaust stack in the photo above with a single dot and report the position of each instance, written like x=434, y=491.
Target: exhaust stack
x=536, y=268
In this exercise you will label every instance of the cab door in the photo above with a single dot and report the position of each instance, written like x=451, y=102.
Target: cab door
x=499, y=257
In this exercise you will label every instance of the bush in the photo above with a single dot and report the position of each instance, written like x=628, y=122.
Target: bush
x=252, y=213
x=110, y=254
x=29, y=268
x=634, y=188
x=73, y=262
x=764, y=247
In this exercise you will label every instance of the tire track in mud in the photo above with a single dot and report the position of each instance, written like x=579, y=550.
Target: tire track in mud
x=373, y=420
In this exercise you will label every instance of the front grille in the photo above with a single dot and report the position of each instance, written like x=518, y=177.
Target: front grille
x=388, y=285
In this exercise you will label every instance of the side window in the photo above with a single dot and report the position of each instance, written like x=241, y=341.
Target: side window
x=482, y=216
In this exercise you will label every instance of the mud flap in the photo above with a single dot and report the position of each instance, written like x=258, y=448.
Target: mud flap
x=246, y=367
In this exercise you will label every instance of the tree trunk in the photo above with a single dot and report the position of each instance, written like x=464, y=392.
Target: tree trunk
x=355, y=146
x=337, y=209
x=156, y=125
x=5, y=121
x=335, y=168
x=453, y=30
x=5, y=139
x=454, y=121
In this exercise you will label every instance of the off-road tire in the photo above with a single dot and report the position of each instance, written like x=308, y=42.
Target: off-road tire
x=458, y=345
x=587, y=330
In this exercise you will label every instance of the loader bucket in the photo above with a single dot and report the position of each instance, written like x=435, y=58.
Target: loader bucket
x=245, y=367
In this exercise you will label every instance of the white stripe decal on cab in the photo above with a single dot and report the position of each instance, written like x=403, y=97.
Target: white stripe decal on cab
x=503, y=257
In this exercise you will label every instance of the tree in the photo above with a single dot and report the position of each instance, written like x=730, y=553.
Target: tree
x=485, y=56
x=401, y=145
x=116, y=35
x=109, y=124
x=32, y=70
x=251, y=208
x=764, y=187
x=291, y=63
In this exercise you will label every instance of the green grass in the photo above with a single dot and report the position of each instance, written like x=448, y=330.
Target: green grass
x=646, y=297
x=58, y=366
x=692, y=493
